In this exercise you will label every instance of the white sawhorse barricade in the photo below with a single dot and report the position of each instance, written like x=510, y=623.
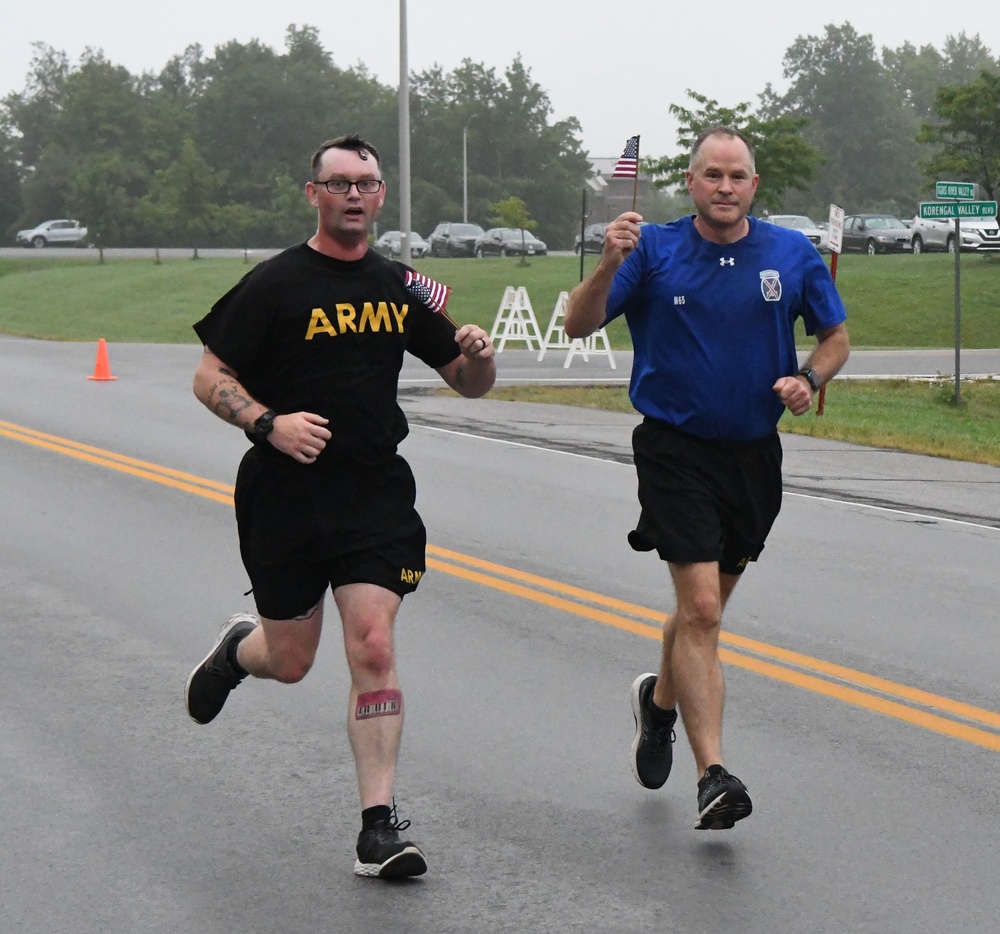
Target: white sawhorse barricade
x=556, y=339
x=515, y=320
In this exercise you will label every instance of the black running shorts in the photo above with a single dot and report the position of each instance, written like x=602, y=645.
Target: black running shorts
x=302, y=531
x=704, y=500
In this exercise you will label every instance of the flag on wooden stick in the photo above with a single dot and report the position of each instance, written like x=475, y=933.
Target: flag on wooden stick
x=432, y=293
x=628, y=164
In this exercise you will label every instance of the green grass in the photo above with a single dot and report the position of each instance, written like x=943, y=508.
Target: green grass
x=127, y=300
x=909, y=301
x=919, y=417
x=892, y=301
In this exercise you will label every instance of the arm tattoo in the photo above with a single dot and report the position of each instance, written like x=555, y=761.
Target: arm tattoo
x=227, y=398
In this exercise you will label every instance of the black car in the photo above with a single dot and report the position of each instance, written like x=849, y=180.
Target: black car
x=454, y=239
x=875, y=233
x=509, y=241
x=593, y=239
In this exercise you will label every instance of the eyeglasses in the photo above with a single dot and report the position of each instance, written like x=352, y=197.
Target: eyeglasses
x=341, y=186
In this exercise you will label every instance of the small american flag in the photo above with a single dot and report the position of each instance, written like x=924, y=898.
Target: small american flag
x=433, y=294
x=628, y=164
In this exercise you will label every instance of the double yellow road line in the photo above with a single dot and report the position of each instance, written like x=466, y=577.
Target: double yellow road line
x=144, y=470
x=911, y=705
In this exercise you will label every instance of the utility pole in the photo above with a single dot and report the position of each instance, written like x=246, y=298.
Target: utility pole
x=404, y=140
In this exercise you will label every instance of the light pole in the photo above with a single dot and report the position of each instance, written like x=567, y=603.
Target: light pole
x=465, y=169
x=404, y=138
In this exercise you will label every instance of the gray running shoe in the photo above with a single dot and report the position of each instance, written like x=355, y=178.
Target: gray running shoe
x=209, y=684
x=722, y=800
x=653, y=746
x=382, y=855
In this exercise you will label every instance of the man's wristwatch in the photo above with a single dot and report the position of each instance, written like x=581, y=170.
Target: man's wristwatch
x=811, y=378
x=264, y=425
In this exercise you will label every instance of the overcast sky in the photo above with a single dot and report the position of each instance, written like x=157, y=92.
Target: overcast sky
x=614, y=66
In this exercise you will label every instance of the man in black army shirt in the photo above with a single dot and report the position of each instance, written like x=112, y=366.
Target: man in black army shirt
x=304, y=355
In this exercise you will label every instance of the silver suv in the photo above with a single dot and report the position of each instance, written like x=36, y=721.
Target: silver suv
x=978, y=234
x=816, y=235
x=60, y=231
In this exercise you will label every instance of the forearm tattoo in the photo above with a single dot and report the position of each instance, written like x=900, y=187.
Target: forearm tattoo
x=227, y=398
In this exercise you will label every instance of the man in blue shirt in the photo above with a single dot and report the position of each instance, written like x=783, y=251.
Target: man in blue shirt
x=711, y=302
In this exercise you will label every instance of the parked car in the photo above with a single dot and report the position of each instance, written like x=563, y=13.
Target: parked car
x=454, y=239
x=978, y=234
x=509, y=241
x=391, y=244
x=52, y=233
x=805, y=225
x=875, y=233
x=593, y=239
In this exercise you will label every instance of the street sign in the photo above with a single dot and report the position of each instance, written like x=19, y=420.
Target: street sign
x=947, y=209
x=835, y=229
x=963, y=206
x=963, y=191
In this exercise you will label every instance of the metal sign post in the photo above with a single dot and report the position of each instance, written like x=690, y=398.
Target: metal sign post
x=944, y=210
x=835, y=241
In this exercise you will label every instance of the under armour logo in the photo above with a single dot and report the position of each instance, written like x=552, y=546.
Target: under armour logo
x=727, y=261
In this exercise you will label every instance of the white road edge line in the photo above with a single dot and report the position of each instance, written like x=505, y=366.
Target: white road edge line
x=819, y=499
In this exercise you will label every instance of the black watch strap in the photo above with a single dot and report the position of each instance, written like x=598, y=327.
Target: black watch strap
x=264, y=425
x=811, y=378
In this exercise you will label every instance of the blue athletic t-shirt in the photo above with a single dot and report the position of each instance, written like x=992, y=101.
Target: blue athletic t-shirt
x=713, y=325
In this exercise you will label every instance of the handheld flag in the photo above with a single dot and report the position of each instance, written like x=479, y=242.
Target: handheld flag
x=433, y=294
x=628, y=164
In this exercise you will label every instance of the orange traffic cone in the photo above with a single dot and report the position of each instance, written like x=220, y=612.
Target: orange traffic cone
x=102, y=369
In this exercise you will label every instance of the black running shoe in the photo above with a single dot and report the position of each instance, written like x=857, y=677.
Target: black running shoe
x=653, y=746
x=722, y=800
x=381, y=854
x=209, y=684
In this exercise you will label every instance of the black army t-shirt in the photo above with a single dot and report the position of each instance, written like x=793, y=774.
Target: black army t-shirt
x=306, y=332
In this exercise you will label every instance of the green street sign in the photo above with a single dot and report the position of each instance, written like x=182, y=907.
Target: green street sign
x=946, y=209
x=963, y=191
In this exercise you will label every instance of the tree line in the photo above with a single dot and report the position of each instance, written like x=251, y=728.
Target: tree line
x=214, y=150
x=863, y=129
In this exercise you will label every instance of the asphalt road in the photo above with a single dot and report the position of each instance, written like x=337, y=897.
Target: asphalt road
x=861, y=659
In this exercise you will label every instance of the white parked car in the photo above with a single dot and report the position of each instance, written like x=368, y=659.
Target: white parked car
x=978, y=234
x=805, y=225
x=391, y=244
x=52, y=233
